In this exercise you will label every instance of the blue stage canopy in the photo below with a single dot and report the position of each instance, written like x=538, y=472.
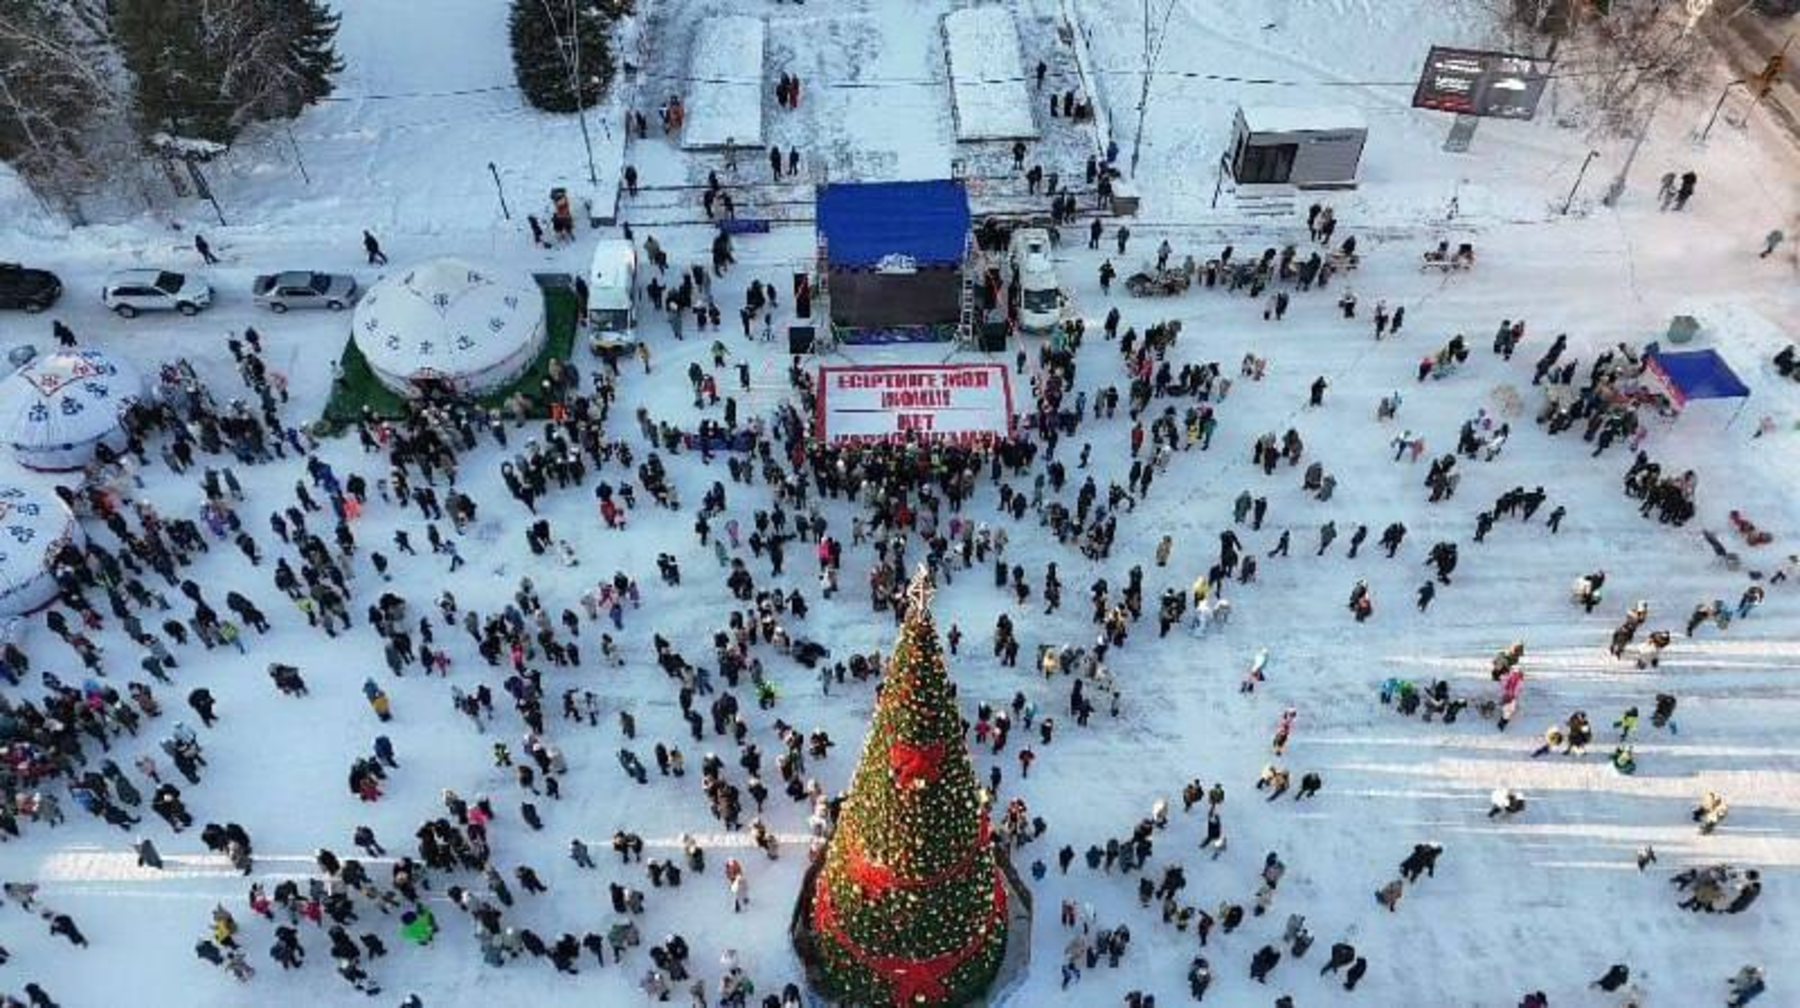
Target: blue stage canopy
x=897, y=225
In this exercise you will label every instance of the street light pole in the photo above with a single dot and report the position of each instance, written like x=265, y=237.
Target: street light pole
x=1591, y=155
x=1720, y=104
x=499, y=191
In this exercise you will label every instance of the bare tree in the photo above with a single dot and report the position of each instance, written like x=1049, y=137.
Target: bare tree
x=1619, y=57
x=61, y=105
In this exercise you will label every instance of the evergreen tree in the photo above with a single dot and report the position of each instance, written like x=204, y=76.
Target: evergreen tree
x=307, y=57
x=548, y=37
x=909, y=908
x=177, y=78
x=205, y=69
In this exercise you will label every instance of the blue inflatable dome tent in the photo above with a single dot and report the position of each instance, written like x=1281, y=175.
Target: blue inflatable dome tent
x=894, y=252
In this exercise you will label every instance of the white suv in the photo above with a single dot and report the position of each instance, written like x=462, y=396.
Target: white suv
x=133, y=291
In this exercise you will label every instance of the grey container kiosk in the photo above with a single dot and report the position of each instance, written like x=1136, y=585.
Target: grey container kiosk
x=1307, y=148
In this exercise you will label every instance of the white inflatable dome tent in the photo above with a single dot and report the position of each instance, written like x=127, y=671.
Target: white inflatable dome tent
x=56, y=409
x=34, y=525
x=450, y=326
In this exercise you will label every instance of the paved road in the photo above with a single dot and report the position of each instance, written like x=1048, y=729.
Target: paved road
x=1747, y=43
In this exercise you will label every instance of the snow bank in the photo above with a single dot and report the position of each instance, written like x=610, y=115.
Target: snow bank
x=23, y=213
x=987, y=75
x=725, y=104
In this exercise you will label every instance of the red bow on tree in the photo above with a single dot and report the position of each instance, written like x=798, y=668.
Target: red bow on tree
x=875, y=880
x=915, y=763
x=917, y=980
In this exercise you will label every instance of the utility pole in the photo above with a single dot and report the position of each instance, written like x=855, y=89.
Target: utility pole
x=569, y=45
x=1153, y=43
x=499, y=191
x=202, y=187
x=1617, y=188
x=298, y=160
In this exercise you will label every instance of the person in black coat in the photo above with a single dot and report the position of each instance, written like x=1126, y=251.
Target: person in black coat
x=1262, y=962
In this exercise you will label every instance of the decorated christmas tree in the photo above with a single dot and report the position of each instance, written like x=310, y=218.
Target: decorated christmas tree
x=910, y=906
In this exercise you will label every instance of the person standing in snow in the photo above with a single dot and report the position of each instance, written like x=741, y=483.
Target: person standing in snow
x=1685, y=191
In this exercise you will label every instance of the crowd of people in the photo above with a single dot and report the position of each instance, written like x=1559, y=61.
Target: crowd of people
x=958, y=510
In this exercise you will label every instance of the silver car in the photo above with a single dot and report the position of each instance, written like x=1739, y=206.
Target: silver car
x=140, y=290
x=300, y=289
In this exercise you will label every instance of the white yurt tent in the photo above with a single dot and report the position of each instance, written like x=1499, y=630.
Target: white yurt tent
x=450, y=325
x=57, y=408
x=34, y=525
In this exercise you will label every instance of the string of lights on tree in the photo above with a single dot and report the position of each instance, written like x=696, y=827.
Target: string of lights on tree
x=910, y=906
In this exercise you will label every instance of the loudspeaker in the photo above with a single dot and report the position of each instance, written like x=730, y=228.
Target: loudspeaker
x=800, y=339
x=803, y=295
x=993, y=337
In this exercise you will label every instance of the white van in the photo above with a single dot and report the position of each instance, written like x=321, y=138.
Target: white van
x=1034, y=276
x=612, y=294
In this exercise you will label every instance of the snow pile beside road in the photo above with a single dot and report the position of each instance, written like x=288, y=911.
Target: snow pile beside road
x=726, y=68
x=21, y=211
x=987, y=75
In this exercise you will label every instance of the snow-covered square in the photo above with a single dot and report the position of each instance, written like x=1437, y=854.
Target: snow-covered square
x=1379, y=588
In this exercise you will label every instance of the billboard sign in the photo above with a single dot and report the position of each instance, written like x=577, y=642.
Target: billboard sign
x=963, y=403
x=1475, y=82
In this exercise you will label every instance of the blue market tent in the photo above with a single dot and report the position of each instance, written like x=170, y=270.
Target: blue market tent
x=895, y=255
x=1696, y=374
x=865, y=223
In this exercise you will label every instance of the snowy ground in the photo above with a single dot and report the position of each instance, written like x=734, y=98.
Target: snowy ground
x=1546, y=901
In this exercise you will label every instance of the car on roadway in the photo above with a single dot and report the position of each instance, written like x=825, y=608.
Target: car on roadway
x=279, y=292
x=130, y=292
x=31, y=290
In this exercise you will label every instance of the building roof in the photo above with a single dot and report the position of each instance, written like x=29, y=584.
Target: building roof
x=1302, y=118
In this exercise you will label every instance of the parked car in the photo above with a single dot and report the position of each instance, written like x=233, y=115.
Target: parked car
x=300, y=289
x=132, y=291
x=30, y=289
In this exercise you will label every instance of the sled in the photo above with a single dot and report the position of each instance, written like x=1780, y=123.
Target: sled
x=1446, y=261
x=1158, y=283
x=1507, y=399
x=1730, y=559
x=1746, y=528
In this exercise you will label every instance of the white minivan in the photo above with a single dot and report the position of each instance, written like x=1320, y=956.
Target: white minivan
x=1034, y=277
x=612, y=294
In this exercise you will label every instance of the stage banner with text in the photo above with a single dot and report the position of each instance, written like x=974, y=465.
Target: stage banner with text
x=962, y=403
